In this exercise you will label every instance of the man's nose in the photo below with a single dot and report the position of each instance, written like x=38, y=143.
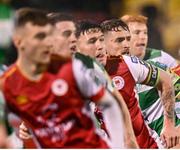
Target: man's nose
x=126, y=43
x=73, y=38
x=142, y=36
x=99, y=45
x=49, y=42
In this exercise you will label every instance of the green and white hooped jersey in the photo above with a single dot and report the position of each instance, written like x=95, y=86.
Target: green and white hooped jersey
x=149, y=99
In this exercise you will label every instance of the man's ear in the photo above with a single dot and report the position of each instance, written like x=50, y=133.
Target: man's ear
x=17, y=41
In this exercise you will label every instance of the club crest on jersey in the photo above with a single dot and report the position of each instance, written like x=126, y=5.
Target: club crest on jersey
x=118, y=82
x=21, y=99
x=59, y=87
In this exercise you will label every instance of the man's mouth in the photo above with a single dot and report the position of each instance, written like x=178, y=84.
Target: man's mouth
x=140, y=45
x=100, y=56
x=47, y=52
x=73, y=48
x=125, y=53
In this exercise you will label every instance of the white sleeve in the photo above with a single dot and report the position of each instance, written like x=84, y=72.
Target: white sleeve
x=88, y=80
x=106, y=80
x=113, y=119
x=169, y=60
x=142, y=72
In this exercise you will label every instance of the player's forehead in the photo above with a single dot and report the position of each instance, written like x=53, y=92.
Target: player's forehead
x=91, y=33
x=30, y=28
x=65, y=25
x=137, y=26
x=116, y=34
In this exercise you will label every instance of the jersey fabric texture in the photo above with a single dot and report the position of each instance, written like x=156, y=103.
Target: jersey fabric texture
x=149, y=98
x=125, y=72
x=53, y=107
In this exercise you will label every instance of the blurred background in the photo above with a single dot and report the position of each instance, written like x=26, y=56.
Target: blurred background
x=163, y=19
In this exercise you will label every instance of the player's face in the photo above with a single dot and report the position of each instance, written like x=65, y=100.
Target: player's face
x=35, y=43
x=91, y=43
x=117, y=42
x=64, y=38
x=139, y=38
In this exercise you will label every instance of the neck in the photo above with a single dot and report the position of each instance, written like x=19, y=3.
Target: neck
x=143, y=56
x=30, y=69
x=113, y=64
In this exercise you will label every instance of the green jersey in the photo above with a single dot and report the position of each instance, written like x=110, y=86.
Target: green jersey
x=149, y=99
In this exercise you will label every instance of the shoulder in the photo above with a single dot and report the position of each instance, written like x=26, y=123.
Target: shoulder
x=86, y=60
x=162, y=57
x=9, y=71
x=6, y=73
x=3, y=68
x=167, y=56
x=132, y=61
x=153, y=53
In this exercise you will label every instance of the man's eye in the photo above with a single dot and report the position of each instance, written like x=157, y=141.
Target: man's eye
x=119, y=40
x=136, y=32
x=101, y=39
x=128, y=38
x=40, y=36
x=67, y=33
x=92, y=41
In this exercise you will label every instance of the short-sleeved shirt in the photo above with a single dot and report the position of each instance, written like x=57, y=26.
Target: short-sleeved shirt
x=149, y=97
x=53, y=107
x=125, y=72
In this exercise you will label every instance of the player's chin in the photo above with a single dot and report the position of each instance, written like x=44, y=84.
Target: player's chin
x=65, y=57
x=141, y=49
x=102, y=61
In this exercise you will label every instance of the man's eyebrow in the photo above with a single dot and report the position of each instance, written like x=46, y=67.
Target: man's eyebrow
x=68, y=30
x=101, y=35
x=93, y=38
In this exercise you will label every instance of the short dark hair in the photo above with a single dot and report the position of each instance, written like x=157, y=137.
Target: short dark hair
x=35, y=16
x=58, y=17
x=86, y=26
x=113, y=25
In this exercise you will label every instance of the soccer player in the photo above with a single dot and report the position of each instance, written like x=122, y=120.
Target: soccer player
x=90, y=42
x=129, y=136
x=139, y=38
x=126, y=72
x=52, y=105
x=66, y=27
x=150, y=105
